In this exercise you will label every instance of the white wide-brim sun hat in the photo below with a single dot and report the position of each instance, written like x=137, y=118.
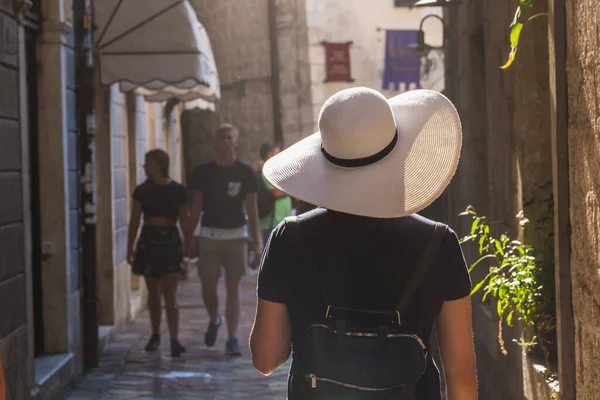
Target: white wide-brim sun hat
x=372, y=156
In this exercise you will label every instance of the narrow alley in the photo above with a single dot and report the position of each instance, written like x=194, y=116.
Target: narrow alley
x=127, y=372
x=122, y=119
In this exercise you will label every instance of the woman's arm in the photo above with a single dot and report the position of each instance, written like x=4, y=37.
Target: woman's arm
x=185, y=222
x=270, y=339
x=253, y=223
x=455, y=337
x=132, y=230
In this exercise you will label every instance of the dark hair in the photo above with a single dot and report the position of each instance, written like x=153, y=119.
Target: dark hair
x=161, y=158
x=265, y=149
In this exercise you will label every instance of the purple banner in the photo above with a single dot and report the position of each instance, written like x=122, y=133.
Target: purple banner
x=400, y=65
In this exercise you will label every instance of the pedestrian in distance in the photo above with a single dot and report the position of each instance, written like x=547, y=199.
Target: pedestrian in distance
x=352, y=288
x=224, y=190
x=158, y=253
x=274, y=205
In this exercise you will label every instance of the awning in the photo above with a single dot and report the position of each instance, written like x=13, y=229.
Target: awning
x=200, y=104
x=155, y=48
x=188, y=90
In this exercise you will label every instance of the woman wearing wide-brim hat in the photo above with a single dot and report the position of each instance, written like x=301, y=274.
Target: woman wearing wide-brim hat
x=371, y=167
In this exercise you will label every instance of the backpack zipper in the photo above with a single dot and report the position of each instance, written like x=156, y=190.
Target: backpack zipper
x=314, y=379
x=369, y=334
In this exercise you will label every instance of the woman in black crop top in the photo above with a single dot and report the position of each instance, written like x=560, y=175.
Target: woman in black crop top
x=158, y=254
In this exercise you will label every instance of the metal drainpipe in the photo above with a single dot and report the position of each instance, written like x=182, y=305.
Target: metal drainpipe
x=562, y=226
x=275, y=82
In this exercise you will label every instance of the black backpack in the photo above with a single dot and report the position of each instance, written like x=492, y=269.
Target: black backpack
x=265, y=199
x=364, y=355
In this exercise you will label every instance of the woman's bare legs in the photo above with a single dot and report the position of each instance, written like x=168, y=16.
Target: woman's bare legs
x=155, y=311
x=169, y=291
x=154, y=304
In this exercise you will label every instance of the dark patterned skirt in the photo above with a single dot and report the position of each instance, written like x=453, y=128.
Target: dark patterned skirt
x=159, y=252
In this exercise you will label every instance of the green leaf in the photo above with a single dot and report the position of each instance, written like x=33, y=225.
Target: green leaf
x=526, y=3
x=515, y=34
x=516, y=28
x=480, y=284
x=500, y=308
x=475, y=225
x=480, y=260
x=499, y=247
x=509, y=318
x=481, y=240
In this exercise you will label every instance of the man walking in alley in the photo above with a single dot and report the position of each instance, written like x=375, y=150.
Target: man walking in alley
x=220, y=189
x=277, y=205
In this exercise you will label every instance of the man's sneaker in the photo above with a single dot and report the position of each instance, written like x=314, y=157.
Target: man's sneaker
x=211, y=333
x=232, y=348
x=153, y=343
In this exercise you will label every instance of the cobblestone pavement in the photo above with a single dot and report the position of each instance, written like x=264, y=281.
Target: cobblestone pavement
x=127, y=372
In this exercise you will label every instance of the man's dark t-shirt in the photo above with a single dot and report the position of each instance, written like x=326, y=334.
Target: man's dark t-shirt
x=364, y=263
x=224, y=190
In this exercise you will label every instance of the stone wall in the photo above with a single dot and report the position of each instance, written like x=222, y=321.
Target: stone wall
x=583, y=66
x=14, y=346
x=294, y=73
x=239, y=34
x=505, y=165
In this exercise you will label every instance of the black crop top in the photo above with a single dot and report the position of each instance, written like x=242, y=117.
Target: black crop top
x=160, y=200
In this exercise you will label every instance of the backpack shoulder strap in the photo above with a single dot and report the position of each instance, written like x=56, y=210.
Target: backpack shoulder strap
x=292, y=222
x=431, y=250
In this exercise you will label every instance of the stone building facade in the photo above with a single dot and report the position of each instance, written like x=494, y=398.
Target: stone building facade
x=40, y=185
x=261, y=53
x=506, y=166
x=41, y=292
x=364, y=24
x=526, y=127
x=15, y=286
x=261, y=104
x=582, y=130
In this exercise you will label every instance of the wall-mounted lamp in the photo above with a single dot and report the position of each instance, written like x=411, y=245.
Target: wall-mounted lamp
x=437, y=3
x=422, y=49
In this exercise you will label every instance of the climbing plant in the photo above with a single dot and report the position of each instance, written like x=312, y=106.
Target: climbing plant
x=515, y=273
x=516, y=27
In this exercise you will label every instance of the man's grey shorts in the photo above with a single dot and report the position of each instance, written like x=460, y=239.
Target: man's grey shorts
x=229, y=254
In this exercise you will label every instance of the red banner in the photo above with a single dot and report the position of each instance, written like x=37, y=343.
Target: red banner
x=338, y=62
